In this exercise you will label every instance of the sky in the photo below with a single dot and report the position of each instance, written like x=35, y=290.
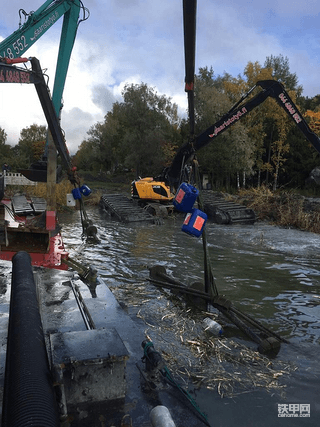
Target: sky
x=135, y=41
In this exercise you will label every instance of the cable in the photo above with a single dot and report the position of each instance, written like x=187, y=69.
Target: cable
x=167, y=375
x=85, y=11
x=210, y=285
x=11, y=213
x=153, y=360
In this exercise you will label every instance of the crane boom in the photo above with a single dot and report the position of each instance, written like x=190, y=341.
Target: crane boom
x=12, y=74
x=36, y=25
x=270, y=88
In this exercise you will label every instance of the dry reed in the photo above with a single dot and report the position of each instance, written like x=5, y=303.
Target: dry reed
x=193, y=355
x=285, y=209
x=62, y=189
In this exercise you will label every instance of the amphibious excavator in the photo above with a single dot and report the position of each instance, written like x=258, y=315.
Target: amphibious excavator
x=163, y=188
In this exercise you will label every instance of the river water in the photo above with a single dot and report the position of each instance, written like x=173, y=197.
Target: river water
x=266, y=271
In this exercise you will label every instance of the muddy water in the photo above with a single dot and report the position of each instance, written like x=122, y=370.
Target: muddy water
x=268, y=272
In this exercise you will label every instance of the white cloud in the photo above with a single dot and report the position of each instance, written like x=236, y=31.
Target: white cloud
x=77, y=122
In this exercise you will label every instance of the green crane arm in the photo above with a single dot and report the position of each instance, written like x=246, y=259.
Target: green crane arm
x=37, y=24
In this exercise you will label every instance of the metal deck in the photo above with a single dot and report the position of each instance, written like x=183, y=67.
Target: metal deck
x=21, y=206
x=100, y=368
x=39, y=204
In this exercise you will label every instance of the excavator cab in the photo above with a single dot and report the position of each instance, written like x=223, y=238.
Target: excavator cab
x=147, y=189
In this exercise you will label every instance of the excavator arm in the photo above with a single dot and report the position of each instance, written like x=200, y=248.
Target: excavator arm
x=12, y=74
x=50, y=114
x=37, y=24
x=270, y=88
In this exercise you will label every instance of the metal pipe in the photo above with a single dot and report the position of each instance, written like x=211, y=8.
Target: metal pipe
x=86, y=316
x=29, y=398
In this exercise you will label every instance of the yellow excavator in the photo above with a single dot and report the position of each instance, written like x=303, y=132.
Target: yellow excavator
x=150, y=190
x=163, y=188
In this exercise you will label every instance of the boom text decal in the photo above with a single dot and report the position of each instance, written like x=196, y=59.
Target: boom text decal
x=14, y=76
x=21, y=44
x=228, y=122
x=290, y=108
x=44, y=27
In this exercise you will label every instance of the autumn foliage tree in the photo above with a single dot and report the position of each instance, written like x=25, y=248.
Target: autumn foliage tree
x=31, y=144
x=314, y=122
x=141, y=134
x=4, y=148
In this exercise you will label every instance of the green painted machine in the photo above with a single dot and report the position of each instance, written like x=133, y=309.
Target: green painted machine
x=38, y=23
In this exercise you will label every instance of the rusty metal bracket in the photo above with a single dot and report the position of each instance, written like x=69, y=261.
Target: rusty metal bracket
x=87, y=274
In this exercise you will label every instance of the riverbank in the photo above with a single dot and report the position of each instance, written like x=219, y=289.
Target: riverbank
x=283, y=208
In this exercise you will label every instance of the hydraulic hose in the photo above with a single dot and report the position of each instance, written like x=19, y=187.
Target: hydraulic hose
x=29, y=398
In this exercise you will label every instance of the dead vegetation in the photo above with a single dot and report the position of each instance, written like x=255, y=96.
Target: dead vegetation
x=193, y=355
x=63, y=188
x=40, y=190
x=285, y=208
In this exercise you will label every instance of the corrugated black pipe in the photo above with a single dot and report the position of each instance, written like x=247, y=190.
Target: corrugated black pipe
x=29, y=398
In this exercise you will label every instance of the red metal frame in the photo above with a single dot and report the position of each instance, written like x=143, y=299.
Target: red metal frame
x=51, y=251
x=52, y=259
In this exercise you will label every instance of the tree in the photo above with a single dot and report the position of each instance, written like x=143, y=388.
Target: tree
x=149, y=122
x=31, y=144
x=231, y=153
x=3, y=137
x=139, y=134
x=255, y=121
x=281, y=72
x=4, y=148
x=83, y=158
x=272, y=125
x=301, y=159
x=280, y=147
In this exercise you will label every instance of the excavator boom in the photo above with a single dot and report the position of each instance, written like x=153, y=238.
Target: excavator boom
x=171, y=177
x=36, y=25
x=12, y=74
x=270, y=88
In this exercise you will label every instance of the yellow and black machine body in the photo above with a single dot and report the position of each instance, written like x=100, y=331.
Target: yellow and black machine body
x=159, y=188
x=149, y=189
